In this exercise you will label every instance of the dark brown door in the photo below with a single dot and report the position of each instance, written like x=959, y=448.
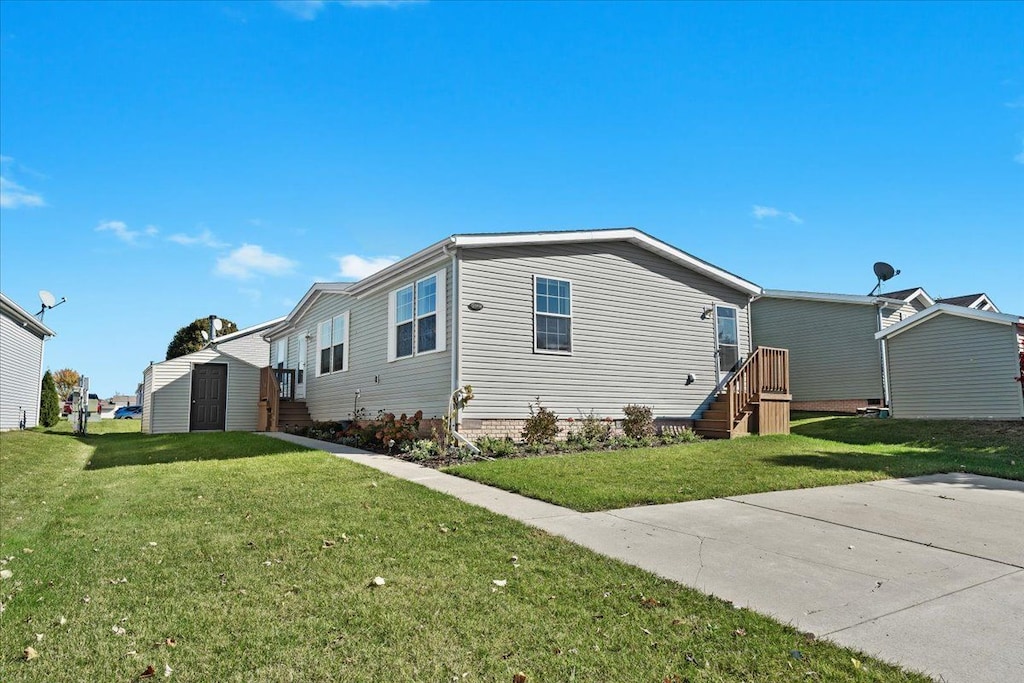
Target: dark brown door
x=209, y=397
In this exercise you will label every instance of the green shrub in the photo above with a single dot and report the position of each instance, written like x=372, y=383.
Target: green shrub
x=423, y=449
x=671, y=434
x=591, y=430
x=639, y=422
x=542, y=425
x=496, y=447
x=49, y=402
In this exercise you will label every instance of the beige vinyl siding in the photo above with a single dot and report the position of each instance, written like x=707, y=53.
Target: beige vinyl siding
x=21, y=357
x=404, y=386
x=955, y=367
x=833, y=354
x=147, y=400
x=891, y=316
x=251, y=348
x=168, y=401
x=636, y=331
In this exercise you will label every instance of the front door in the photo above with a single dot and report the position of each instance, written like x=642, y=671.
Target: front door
x=300, y=369
x=209, y=397
x=727, y=339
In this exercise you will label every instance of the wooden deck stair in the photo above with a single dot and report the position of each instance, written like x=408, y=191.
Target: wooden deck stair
x=277, y=408
x=293, y=415
x=755, y=400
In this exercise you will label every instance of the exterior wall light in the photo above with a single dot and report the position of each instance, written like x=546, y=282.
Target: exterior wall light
x=476, y=306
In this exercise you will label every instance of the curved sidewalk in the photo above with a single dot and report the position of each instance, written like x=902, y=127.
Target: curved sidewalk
x=926, y=572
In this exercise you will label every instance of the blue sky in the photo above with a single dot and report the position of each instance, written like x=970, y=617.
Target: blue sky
x=165, y=161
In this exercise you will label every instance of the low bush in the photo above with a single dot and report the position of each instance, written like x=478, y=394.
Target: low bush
x=639, y=421
x=542, y=425
x=496, y=447
x=422, y=449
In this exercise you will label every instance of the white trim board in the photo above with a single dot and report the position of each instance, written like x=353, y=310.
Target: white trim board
x=950, y=309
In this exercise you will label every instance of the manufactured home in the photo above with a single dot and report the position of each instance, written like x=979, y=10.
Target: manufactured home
x=22, y=337
x=588, y=321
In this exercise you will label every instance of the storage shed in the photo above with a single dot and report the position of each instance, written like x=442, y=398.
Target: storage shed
x=21, y=364
x=951, y=362
x=214, y=389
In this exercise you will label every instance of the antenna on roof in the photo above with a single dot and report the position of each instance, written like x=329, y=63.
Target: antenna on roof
x=48, y=301
x=884, y=272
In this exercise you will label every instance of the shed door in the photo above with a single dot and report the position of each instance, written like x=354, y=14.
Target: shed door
x=209, y=397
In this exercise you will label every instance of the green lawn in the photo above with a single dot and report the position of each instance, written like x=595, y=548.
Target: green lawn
x=234, y=557
x=821, y=451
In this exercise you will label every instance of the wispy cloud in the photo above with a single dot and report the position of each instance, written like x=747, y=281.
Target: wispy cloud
x=249, y=260
x=203, y=239
x=1019, y=158
x=308, y=10
x=763, y=212
x=1016, y=104
x=357, y=267
x=13, y=195
x=120, y=230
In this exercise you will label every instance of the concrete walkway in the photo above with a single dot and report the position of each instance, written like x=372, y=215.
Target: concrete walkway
x=925, y=572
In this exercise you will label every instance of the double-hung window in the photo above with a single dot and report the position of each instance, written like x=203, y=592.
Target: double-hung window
x=552, y=305
x=332, y=344
x=416, y=315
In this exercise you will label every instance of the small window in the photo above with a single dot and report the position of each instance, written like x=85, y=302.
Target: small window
x=416, y=317
x=552, y=315
x=332, y=344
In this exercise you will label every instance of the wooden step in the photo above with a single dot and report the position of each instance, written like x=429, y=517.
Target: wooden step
x=714, y=433
x=716, y=412
x=712, y=425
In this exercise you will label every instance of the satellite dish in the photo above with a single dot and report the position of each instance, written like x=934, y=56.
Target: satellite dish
x=206, y=337
x=883, y=271
x=49, y=300
x=218, y=324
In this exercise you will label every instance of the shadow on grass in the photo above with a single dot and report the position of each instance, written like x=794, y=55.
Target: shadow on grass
x=944, y=438
x=122, y=450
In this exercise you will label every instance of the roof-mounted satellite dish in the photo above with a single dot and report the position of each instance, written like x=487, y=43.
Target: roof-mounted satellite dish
x=884, y=272
x=218, y=324
x=48, y=301
x=206, y=337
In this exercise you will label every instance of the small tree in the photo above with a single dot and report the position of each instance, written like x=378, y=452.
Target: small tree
x=542, y=425
x=49, y=403
x=67, y=381
x=189, y=338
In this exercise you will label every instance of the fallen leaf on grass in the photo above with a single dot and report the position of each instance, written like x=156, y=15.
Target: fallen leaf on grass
x=378, y=581
x=519, y=677
x=328, y=544
x=739, y=632
x=855, y=662
x=39, y=637
x=167, y=670
x=118, y=630
x=62, y=621
x=650, y=602
x=117, y=581
x=152, y=544
x=148, y=673
x=6, y=574
x=500, y=583
x=30, y=653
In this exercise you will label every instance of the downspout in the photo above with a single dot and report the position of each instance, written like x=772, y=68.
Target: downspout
x=456, y=376
x=882, y=356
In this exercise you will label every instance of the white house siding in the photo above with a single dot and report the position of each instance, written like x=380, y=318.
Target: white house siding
x=636, y=331
x=833, y=354
x=891, y=316
x=21, y=357
x=404, y=386
x=146, y=400
x=954, y=367
x=169, y=392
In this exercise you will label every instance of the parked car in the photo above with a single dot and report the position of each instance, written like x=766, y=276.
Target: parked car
x=128, y=413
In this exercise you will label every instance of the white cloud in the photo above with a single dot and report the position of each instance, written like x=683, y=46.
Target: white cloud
x=120, y=230
x=203, y=239
x=308, y=10
x=13, y=195
x=249, y=260
x=151, y=230
x=357, y=267
x=762, y=212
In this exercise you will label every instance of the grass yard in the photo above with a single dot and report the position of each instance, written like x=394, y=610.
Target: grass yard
x=821, y=451
x=234, y=557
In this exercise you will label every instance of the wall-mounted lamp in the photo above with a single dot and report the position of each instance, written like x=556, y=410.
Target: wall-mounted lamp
x=706, y=312
x=476, y=306
x=691, y=378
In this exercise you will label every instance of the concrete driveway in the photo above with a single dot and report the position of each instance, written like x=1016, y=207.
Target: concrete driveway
x=925, y=572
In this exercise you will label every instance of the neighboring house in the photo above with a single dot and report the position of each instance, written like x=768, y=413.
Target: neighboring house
x=979, y=301
x=835, y=361
x=214, y=389
x=589, y=321
x=21, y=365
x=950, y=361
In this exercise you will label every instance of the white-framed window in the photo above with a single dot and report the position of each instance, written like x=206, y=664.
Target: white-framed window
x=332, y=345
x=282, y=353
x=727, y=337
x=552, y=315
x=416, y=317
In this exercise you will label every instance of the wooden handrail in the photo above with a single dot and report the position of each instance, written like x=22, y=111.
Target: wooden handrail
x=270, y=400
x=766, y=371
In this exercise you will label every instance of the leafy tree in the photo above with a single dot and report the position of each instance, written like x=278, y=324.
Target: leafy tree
x=66, y=380
x=189, y=339
x=49, y=403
